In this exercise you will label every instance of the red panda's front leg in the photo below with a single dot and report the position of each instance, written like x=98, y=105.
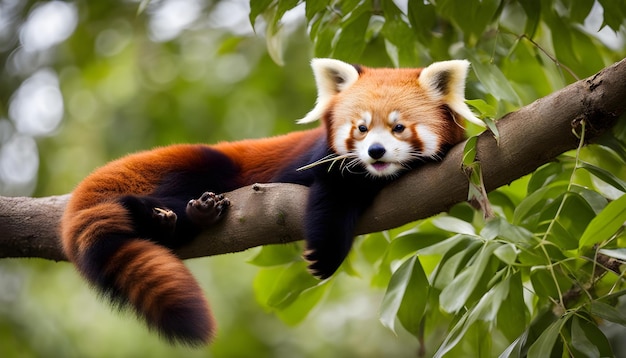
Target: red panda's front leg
x=332, y=213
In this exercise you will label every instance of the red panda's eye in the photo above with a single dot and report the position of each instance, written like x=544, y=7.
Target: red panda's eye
x=362, y=128
x=398, y=128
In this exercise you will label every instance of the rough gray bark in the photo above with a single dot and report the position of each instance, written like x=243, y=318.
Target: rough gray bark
x=272, y=213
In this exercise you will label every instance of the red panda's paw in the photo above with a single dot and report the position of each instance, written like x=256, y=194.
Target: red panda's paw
x=319, y=265
x=208, y=209
x=166, y=219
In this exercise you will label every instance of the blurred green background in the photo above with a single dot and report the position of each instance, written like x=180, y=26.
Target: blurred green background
x=88, y=81
x=84, y=82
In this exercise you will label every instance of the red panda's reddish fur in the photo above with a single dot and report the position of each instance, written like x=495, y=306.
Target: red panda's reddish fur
x=148, y=276
x=259, y=160
x=118, y=230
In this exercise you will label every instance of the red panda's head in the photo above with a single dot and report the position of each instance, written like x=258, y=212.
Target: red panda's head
x=385, y=118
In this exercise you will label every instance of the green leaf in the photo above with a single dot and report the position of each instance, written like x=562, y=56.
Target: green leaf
x=514, y=350
x=550, y=173
x=586, y=49
x=614, y=13
x=472, y=17
x=271, y=255
x=491, y=124
x=567, y=217
x=587, y=340
x=503, y=202
x=493, y=79
x=533, y=203
x=563, y=41
x=274, y=43
x=595, y=200
x=454, y=296
x=614, y=144
x=283, y=7
x=605, y=224
x=257, y=7
x=311, y=8
x=422, y=17
x=409, y=243
x=453, y=262
x=324, y=40
x=397, y=31
x=299, y=309
x=278, y=287
x=614, y=295
x=502, y=229
x=373, y=247
x=607, y=312
x=469, y=151
x=351, y=39
x=453, y=224
x=395, y=292
x=443, y=247
x=507, y=253
x=347, y=6
x=485, y=310
x=533, y=15
x=513, y=315
x=273, y=13
x=580, y=9
x=580, y=341
x=484, y=108
x=544, y=344
x=406, y=297
x=544, y=283
x=604, y=175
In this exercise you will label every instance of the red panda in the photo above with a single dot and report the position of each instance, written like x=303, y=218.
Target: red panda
x=123, y=220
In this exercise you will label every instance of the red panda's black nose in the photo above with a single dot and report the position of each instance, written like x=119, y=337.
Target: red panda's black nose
x=376, y=151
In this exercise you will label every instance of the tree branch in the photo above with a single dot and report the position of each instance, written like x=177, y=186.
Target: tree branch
x=265, y=214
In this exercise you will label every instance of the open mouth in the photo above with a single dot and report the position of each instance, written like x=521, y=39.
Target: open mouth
x=380, y=166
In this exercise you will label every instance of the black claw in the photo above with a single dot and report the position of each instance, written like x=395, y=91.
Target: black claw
x=321, y=267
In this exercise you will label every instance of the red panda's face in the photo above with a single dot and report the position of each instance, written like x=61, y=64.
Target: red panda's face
x=381, y=120
x=381, y=146
x=386, y=120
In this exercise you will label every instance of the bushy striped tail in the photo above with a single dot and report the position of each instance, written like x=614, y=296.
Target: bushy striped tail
x=138, y=274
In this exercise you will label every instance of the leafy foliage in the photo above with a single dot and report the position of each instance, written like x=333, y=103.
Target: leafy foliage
x=540, y=273
x=542, y=276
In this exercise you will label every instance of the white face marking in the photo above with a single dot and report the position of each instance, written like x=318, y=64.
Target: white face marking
x=367, y=118
x=342, y=133
x=396, y=152
x=429, y=140
x=394, y=116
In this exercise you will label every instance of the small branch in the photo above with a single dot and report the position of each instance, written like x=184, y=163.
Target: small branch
x=265, y=214
x=551, y=57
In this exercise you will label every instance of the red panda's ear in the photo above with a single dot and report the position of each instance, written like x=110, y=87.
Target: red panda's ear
x=331, y=77
x=445, y=80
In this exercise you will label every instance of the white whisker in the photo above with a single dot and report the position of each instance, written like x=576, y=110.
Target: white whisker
x=342, y=164
x=329, y=158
